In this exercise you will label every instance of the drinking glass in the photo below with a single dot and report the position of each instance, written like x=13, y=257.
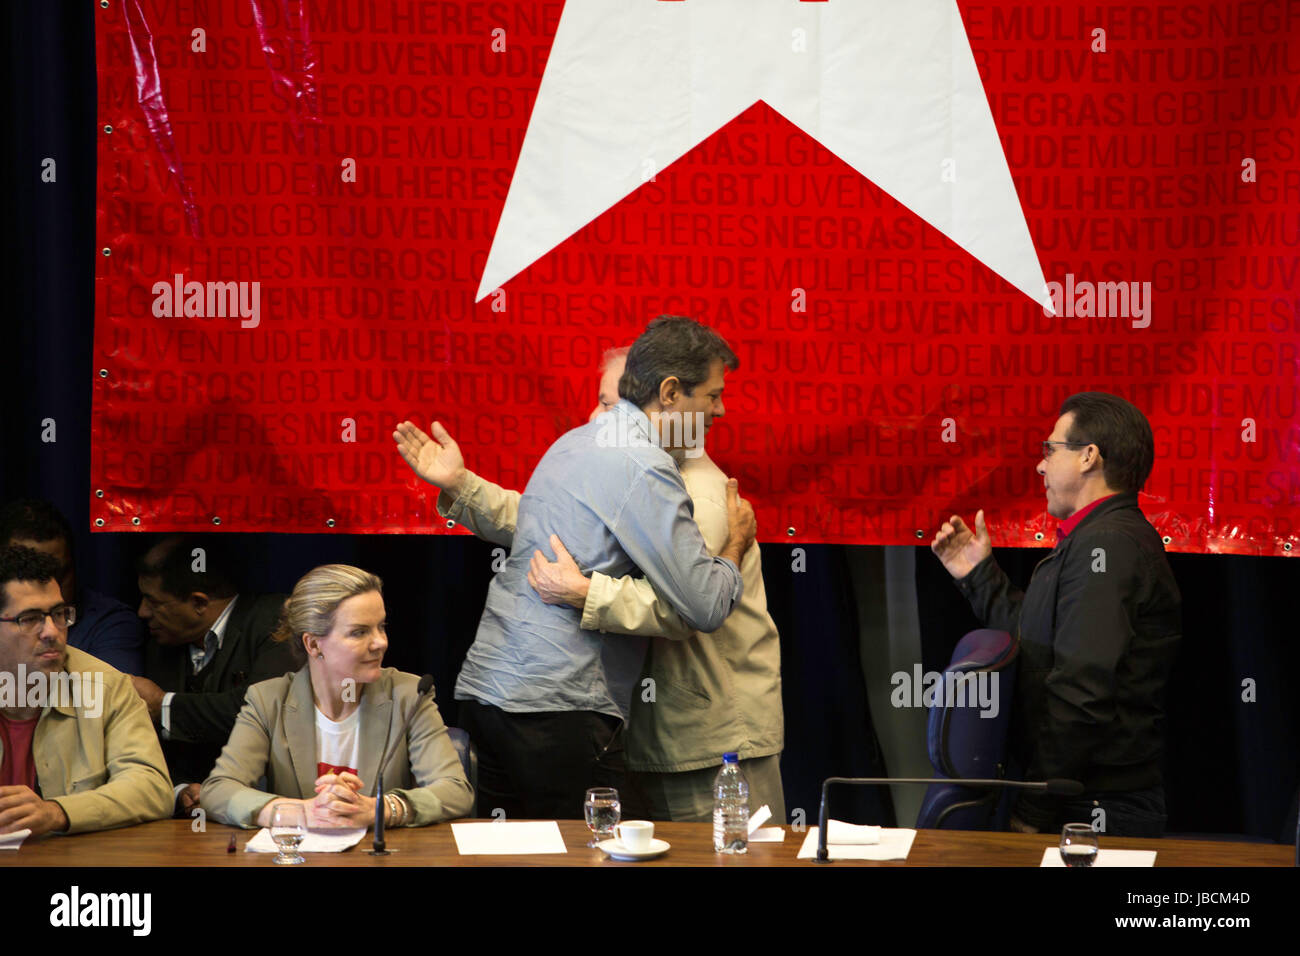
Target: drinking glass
x=603, y=811
x=1078, y=844
x=288, y=827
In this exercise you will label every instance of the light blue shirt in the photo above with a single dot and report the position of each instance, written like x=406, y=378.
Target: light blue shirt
x=619, y=505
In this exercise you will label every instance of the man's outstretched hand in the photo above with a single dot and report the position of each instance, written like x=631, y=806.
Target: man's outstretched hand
x=958, y=548
x=437, y=460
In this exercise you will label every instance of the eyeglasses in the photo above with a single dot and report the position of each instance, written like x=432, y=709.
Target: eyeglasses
x=65, y=615
x=1048, y=449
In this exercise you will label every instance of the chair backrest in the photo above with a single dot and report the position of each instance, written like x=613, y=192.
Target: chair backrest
x=468, y=755
x=967, y=730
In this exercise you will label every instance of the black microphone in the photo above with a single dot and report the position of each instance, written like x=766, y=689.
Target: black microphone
x=378, y=847
x=1056, y=787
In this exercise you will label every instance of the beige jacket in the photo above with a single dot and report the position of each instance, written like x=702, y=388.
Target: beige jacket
x=713, y=693
x=275, y=736
x=106, y=770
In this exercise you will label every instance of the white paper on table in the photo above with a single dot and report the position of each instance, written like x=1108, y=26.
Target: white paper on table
x=894, y=844
x=761, y=816
x=12, y=841
x=1052, y=857
x=767, y=835
x=852, y=834
x=506, y=837
x=313, y=841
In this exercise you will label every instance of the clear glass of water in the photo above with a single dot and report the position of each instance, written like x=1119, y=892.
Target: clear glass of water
x=1078, y=844
x=288, y=827
x=603, y=811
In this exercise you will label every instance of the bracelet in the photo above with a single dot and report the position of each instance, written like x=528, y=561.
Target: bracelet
x=398, y=807
x=390, y=810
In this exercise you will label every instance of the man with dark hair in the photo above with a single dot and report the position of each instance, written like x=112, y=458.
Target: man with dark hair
x=544, y=699
x=1097, y=626
x=714, y=693
x=105, y=627
x=207, y=645
x=672, y=346
x=76, y=749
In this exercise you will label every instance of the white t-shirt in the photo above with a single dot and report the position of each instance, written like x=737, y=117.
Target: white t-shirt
x=338, y=744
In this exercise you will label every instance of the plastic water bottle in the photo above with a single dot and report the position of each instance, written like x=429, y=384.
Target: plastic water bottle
x=730, y=808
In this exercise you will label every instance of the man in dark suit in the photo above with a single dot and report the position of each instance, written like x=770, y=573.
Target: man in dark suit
x=206, y=645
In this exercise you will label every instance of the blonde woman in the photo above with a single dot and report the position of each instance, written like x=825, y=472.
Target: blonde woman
x=318, y=735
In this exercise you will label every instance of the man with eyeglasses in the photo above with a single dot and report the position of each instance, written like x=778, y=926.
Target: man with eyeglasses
x=1097, y=626
x=104, y=627
x=67, y=763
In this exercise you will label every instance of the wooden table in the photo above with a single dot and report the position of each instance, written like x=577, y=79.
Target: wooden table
x=173, y=843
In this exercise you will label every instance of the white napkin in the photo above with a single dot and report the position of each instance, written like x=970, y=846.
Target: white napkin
x=314, y=841
x=1052, y=857
x=12, y=841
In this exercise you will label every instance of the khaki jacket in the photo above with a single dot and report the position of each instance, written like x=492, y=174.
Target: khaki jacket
x=107, y=770
x=713, y=693
x=275, y=737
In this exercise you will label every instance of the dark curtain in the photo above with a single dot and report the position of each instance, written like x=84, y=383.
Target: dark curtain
x=1232, y=763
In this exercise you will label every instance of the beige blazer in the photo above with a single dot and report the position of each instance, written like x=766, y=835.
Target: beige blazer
x=275, y=736
x=105, y=770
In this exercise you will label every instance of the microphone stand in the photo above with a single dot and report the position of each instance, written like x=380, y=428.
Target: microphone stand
x=1064, y=788
x=378, y=847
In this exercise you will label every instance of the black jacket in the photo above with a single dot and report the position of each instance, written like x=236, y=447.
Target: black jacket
x=1098, y=628
x=206, y=704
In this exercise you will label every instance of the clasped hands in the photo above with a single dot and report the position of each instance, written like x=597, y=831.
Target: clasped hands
x=339, y=803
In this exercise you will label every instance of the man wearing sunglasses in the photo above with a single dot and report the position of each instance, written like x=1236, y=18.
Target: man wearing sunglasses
x=68, y=762
x=1097, y=626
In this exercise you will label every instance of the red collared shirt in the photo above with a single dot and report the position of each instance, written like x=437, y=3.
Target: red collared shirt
x=1069, y=524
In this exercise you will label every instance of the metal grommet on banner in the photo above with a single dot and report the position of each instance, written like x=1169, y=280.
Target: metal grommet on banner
x=1038, y=536
x=99, y=522
x=103, y=373
x=99, y=492
x=920, y=533
x=1286, y=546
x=329, y=522
x=450, y=523
x=790, y=532
x=104, y=4
x=1167, y=540
x=135, y=520
x=216, y=520
x=107, y=251
x=108, y=129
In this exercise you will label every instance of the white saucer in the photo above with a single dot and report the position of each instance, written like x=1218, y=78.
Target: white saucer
x=618, y=851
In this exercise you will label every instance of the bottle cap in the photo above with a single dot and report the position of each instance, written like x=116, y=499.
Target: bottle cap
x=730, y=758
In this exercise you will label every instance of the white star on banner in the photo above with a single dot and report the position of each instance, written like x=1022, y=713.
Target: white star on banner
x=890, y=88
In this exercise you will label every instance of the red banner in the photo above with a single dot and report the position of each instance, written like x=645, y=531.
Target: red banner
x=919, y=230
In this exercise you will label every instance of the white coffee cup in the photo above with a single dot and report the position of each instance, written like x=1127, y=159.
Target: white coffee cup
x=636, y=834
